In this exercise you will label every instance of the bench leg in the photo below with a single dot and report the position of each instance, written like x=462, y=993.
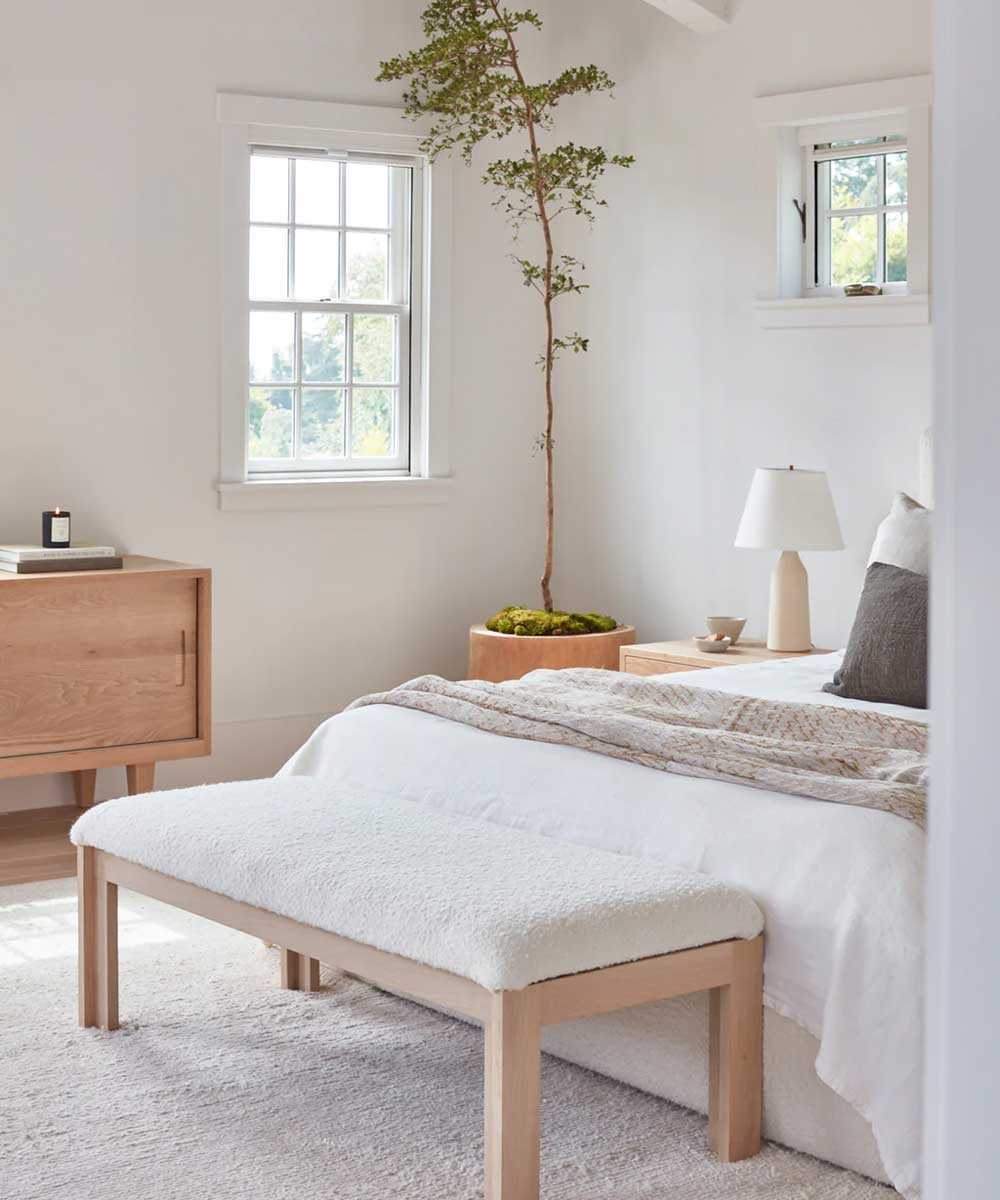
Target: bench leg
x=513, y=1095
x=97, y=919
x=736, y=1045
x=310, y=974
x=299, y=972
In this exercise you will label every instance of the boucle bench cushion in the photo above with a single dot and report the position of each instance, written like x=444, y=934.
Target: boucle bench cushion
x=497, y=905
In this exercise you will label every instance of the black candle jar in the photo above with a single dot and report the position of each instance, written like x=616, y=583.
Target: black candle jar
x=55, y=528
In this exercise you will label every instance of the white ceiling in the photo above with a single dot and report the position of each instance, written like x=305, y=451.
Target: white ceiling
x=704, y=16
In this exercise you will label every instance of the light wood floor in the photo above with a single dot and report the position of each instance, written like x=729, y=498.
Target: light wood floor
x=34, y=845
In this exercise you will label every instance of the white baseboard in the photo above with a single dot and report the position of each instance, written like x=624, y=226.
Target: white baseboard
x=242, y=750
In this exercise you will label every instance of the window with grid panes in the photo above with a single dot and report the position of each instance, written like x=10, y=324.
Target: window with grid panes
x=330, y=294
x=860, y=226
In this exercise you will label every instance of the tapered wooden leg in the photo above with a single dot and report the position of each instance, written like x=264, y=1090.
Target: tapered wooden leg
x=140, y=778
x=84, y=786
x=513, y=1095
x=299, y=972
x=736, y=1047
x=97, y=919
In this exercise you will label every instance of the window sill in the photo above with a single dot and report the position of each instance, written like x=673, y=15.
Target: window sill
x=828, y=312
x=304, y=495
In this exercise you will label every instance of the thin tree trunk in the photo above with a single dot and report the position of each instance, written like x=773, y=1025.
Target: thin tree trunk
x=543, y=217
x=550, y=496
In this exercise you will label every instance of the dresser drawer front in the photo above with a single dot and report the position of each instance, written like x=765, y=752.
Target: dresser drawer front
x=635, y=664
x=97, y=662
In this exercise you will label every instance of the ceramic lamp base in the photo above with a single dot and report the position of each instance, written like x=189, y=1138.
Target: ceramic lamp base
x=788, y=619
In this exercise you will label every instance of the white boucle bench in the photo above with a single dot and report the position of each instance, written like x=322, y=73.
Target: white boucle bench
x=508, y=927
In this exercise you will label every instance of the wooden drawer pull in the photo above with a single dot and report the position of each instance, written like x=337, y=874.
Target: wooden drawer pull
x=180, y=661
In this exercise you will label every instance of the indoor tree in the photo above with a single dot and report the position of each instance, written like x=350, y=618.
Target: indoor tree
x=469, y=80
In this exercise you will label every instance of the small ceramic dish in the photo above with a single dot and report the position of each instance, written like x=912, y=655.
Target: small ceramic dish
x=710, y=646
x=732, y=627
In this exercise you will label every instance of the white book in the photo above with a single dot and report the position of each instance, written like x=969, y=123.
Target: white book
x=16, y=553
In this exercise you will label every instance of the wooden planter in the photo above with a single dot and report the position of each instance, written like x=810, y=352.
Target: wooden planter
x=500, y=656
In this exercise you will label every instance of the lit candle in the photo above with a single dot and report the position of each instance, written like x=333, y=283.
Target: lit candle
x=55, y=528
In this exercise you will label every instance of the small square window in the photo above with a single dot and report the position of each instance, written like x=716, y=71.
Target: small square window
x=853, y=205
x=860, y=197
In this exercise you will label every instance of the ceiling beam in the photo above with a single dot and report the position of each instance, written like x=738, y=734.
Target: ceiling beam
x=703, y=16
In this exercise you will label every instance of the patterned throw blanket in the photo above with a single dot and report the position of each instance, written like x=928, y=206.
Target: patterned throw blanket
x=848, y=756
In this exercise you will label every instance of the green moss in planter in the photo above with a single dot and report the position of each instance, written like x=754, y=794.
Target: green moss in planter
x=535, y=622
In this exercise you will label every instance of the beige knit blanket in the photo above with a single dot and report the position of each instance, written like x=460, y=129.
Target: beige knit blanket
x=844, y=755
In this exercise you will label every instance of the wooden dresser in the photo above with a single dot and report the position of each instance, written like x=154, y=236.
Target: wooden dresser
x=103, y=669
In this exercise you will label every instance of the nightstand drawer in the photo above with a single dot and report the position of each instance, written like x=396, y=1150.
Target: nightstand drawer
x=97, y=662
x=636, y=664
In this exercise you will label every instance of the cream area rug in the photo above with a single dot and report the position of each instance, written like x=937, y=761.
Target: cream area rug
x=222, y=1086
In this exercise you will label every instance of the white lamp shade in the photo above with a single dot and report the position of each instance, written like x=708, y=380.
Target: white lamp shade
x=789, y=509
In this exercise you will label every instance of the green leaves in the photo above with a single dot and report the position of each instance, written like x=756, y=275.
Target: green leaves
x=463, y=76
x=467, y=78
x=564, y=179
x=562, y=281
x=573, y=342
x=532, y=275
x=555, y=278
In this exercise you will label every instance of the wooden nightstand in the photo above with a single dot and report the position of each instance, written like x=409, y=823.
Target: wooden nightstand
x=97, y=669
x=105, y=668
x=660, y=658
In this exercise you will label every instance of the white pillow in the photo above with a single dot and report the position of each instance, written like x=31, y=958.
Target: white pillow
x=904, y=537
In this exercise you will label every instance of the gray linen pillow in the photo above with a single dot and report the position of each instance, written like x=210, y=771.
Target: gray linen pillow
x=886, y=657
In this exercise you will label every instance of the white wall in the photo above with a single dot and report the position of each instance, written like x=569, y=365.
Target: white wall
x=963, y=1054
x=109, y=338
x=109, y=323
x=682, y=395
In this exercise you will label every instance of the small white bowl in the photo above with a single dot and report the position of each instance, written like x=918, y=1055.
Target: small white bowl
x=732, y=627
x=713, y=647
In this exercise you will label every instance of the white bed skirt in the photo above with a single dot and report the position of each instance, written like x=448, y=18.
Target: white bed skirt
x=663, y=1049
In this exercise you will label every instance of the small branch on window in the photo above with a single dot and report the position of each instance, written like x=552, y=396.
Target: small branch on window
x=801, y=210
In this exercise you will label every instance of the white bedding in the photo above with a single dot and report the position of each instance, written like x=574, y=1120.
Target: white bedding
x=841, y=887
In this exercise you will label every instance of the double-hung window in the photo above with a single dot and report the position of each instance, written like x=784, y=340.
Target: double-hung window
x=858, y=234
x=330, y=294
x=335, y=356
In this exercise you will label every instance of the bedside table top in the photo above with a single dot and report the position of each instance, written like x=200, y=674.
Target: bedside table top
x=132, y=564
x=685, y=652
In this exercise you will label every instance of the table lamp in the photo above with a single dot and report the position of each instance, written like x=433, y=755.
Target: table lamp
x=789, y=510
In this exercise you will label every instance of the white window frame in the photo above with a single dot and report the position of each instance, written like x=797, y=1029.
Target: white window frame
x=405, y=263
x=802, y=120
x=420, y=469
x=816, y=254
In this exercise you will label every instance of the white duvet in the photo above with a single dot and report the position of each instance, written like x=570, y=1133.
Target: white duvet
x=841, y=887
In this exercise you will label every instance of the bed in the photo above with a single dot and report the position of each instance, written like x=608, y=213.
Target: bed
x=841, y=888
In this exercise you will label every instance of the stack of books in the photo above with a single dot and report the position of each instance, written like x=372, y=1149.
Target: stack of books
x=33, y=560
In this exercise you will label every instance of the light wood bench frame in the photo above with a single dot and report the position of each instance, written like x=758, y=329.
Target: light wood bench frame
x=731, y=971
